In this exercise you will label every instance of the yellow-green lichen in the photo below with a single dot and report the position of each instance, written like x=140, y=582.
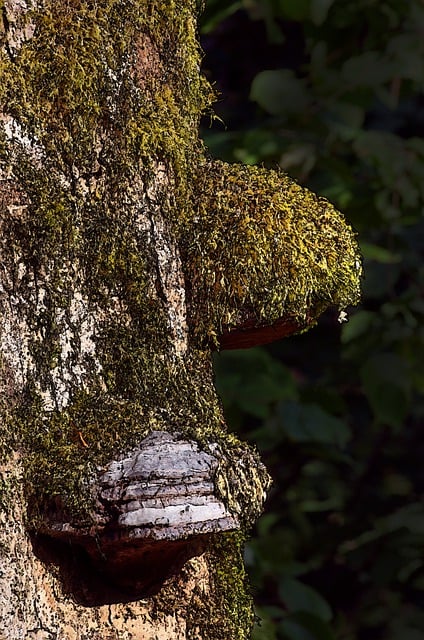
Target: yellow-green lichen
x=241, y=481
x=220, y=607
x=232, y=594
x=261, y=245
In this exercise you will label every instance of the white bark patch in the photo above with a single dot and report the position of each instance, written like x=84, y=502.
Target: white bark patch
x=17, y=26
x=15, y=334
x=169, y=265
x=78, y=326
x=75, y=359
x=16, y=134
x=170, y=270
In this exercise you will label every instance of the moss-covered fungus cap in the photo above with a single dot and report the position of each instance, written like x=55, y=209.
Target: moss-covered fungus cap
x=265, y=256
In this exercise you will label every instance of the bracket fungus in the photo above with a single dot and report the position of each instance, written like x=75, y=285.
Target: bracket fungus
x=157, y=505
x=267, y=256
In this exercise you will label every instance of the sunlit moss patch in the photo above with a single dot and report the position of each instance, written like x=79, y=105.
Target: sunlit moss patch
x=261, y=245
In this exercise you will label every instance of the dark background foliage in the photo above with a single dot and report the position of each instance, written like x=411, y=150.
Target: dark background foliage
x=333, y=92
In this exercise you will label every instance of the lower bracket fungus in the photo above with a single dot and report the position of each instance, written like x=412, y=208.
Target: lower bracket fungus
x=158, y=505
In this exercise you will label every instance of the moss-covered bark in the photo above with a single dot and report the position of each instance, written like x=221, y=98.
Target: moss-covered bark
x=100, y=145
x=124, y=255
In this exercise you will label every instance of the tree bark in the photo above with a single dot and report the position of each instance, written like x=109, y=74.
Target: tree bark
x=124, y=500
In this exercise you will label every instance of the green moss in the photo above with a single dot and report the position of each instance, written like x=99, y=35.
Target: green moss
x=219, y=608
x=261, y=245
x=64, y=447
x=232, y=593
x=103, y=113
x=253, y=240
x=8, y=488
x=242, y=486
x=69, y=86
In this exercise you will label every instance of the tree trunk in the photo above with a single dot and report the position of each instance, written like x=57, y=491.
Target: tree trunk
x=126, y=258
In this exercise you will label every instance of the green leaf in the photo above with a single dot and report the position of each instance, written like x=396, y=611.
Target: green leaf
x=380, y=279
x=319, y=10
x=310, y=423
x=410, y=517
x=292, y=630
x=215, y=12
x=379, y=254
x=389, y=155
x=347, y=119
x=279, y=92
x=251, y=380
x=298, y=597
x=305, y=626
x=293, y=9
x=266, y=522
x=264, y=628
x=387, y=385
x=367, y=69
x=359, y=324
x=403, y=632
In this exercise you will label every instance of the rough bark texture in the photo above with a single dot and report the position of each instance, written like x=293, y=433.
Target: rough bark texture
x=126, y=257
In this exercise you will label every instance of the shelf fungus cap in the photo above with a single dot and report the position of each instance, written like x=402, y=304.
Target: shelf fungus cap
x=158, y=504
x=265, y=256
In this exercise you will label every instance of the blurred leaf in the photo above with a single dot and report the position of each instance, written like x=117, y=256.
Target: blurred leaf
x=264, y=628
x=300, y=155
x=293, y=9
x=216, y=11
x=389, y=156
x=392, y=533
x=402, y=632
x=380, y=279
x=279, y=92
x=367, y=69
x=319, y=10
x=387, y=386
x=310, y=423
x=298, y=597
x=266, y=522
x=274, y=552
x=359, y=323
x=398, y=485
x=410, y=517
x=252, y=381
x=256, y=146
x=347, y=119
x=403, y=48
x=304, y=626
x=379, y=254
x=293, y=630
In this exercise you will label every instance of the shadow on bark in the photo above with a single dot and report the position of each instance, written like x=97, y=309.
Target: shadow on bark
x=141, y=573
